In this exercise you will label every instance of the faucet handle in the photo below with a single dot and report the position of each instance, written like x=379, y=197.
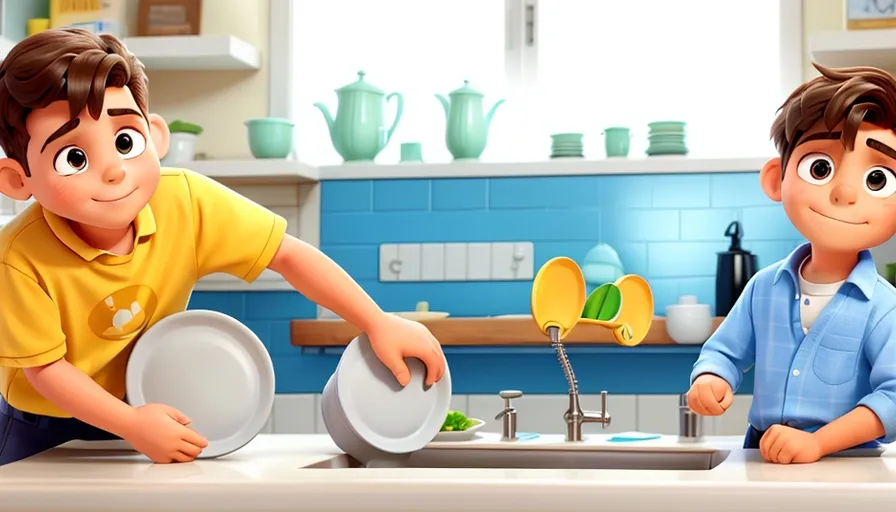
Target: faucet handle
x=508, y=395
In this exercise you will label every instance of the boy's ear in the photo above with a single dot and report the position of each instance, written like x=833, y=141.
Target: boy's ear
x=12, y=180
x=161, y=136
x=770, y=178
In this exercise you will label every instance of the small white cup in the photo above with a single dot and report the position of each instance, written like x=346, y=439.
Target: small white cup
x=688, y=323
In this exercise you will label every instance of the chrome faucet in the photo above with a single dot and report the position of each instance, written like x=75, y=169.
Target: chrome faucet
x=575, y=416
x=689, y=422
x=508, y=415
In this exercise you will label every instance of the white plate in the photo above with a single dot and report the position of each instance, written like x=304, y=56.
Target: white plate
x=463, y=435
x=210, y=367
x=382, y=413
x=422, y=316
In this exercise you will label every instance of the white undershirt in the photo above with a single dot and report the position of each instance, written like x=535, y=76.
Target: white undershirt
x=813, y=298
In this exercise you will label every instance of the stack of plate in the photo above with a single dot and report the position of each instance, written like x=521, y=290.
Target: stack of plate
x=567, y=145
x=371, y=417
x=667, y=138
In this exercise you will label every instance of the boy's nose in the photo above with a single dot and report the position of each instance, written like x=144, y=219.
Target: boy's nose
x=113, y=174
x=843, y=195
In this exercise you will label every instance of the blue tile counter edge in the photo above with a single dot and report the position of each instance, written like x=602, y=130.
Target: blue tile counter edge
x=474, y=370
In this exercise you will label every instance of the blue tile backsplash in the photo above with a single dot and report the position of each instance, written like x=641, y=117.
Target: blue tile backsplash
x=666, y=228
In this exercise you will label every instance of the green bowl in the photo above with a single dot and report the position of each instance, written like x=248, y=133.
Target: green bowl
x=270, y=137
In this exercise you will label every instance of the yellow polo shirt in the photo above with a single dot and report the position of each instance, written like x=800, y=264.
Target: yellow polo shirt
x=63, y=298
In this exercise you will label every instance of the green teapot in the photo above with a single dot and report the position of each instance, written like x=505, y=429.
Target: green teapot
x=358, y=132
x=466, y=131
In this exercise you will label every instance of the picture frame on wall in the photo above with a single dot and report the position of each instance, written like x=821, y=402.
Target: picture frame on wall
x=870, y=14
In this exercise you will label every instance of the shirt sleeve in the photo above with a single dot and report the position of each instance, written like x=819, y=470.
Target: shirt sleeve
x=880, y=349
x=731, y=350
x=30, y=326
x=234, y=235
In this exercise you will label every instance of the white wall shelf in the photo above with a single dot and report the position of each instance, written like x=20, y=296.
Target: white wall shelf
x=194, y=53
x=845, y=48
x=254, y=171
x=267, y=281
x=559, y=167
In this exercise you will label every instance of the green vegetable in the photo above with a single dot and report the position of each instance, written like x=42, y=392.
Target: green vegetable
x=603, y=303
x=456, y=422
x=184, y=127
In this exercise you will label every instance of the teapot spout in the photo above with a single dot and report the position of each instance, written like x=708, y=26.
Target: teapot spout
x=491, y=113
x=326, y=113
x=444, y=101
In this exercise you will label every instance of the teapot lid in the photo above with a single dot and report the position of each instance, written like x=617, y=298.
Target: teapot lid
x=465, y=90
x=360, y=86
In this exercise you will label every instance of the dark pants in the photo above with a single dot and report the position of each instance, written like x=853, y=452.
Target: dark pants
x=23, y=434
x=751, y=440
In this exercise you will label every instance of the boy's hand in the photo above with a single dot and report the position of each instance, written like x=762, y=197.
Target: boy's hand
x=394, y=338
x=162, y=433
x=710, y=395
x=785, y=445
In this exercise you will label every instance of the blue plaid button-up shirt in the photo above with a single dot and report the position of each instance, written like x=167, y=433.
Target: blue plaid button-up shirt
x=847, y=359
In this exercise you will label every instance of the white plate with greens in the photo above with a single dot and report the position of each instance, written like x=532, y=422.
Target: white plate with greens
x=458, y=427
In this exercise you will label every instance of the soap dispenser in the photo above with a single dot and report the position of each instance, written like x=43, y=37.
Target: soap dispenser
x=734, y=269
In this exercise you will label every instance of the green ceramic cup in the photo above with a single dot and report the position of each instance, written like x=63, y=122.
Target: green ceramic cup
x=617, y=141
x=411, y=152
x=270, y=137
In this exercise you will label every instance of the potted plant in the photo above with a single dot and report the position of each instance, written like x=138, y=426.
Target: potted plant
x=183, y=142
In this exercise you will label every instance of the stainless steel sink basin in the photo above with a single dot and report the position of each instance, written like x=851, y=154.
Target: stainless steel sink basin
x=698, y=459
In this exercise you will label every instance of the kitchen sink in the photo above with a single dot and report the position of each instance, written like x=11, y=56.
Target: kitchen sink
x=649, y=459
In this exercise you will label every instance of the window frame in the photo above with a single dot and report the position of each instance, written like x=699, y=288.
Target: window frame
x=521, y=49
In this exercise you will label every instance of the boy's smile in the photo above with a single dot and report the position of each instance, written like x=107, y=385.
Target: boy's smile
x=94, y=172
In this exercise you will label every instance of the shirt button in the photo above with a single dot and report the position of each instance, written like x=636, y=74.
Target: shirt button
x=796, y=373
x=791, y=423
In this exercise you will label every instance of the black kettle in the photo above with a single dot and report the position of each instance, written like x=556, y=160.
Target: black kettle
x=734, y=269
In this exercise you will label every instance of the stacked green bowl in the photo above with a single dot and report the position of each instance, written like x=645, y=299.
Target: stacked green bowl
x=567, y=145
x=667, y=138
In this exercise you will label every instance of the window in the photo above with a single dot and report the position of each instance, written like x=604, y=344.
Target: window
x=418, y=48
x=589, y=65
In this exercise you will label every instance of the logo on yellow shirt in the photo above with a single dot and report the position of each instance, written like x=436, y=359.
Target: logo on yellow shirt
x=124, y=313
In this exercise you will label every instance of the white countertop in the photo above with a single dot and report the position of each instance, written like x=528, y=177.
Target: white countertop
x=268, y=475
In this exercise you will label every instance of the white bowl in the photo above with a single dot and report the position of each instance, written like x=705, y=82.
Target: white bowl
x=688, y=324
x=371, y=417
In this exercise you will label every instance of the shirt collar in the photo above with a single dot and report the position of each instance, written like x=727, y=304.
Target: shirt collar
x=863, y=276
x=144, y=225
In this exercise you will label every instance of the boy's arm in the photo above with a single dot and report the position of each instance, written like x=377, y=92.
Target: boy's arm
x=322, y=281
x=32, y=339
x=731, y=350
x=875, y=416
x=71, y=390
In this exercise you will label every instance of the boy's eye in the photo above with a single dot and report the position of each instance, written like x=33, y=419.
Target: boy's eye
x=816, y=168
x=130, y=143
x=880, y=182
x=70, y=160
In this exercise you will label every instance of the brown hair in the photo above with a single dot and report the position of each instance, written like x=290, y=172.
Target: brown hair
x=847, y=95
x=62, y=64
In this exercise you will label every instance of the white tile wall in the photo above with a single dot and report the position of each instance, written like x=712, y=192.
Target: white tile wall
x=300, y=414
x=475, y=261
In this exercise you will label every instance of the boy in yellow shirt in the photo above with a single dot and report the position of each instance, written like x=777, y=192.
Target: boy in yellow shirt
x=114, y=243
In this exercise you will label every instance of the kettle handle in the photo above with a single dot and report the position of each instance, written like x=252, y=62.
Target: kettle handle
x=734, y=232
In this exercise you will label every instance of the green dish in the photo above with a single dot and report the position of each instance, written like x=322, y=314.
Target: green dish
x=667, y=125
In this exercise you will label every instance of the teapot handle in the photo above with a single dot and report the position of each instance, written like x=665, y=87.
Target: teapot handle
x=399, y=108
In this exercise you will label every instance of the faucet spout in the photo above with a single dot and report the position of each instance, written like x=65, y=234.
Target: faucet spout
x=575, y=417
